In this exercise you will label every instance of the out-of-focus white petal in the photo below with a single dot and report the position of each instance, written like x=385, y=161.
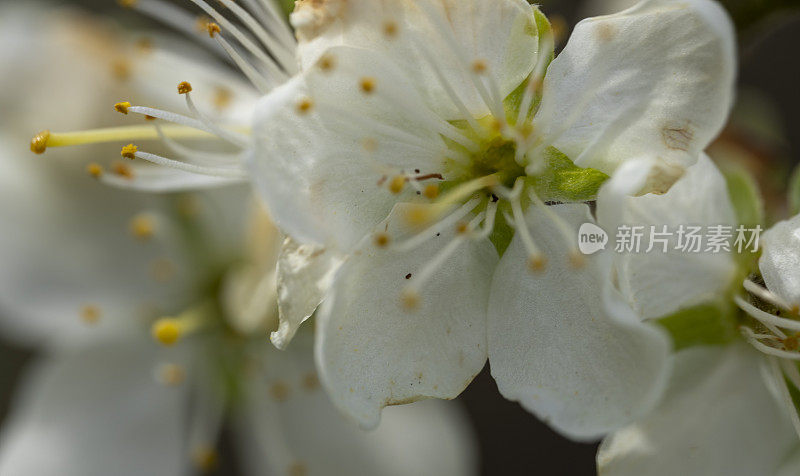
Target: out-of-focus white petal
x=780, y=260
x=717, y=417
x=289, y=423
x=656, y=79
x=94, y=412
x=571, y=353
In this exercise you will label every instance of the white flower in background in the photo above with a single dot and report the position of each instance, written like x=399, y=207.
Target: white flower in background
x=728, y=409
x=422, y=138
x=86, y=272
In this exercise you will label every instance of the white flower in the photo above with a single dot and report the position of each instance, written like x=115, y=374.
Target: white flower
x=729, y=409
x=87, y=271
x=431, y=130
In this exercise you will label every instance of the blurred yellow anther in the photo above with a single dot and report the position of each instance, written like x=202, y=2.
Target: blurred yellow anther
x=90, y=314
x=123, y=170
x=390, y=28
x=213, y=29
x=462, y=227
x=526, y=130
x=367, y=84
x=419, y=215
x=171, y=374
x=431, y=191
x=129, y=151
x=279, y=391
x=127, y=3
x=39, y=142
x=537, y=263
x=144, y=45
x=479, y=66
x=305, y=105
x=184, y=87
x=121, y=69
x=297, y=469
x=222, y=98
x=201, y=24
x=397, y=184
x=791, y=343
x=326, y=62
x=167, y=331
x=205, y=458
x=382, y=240
x=310, y=382
x=95, y=170
x=122, y=107
x=142, y=227
x=410, y=299
x=576, y=259
x=370, y=144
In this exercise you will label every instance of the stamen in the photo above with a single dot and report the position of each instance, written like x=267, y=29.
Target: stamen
x=170, y=375
x=382, y=240
x=786, y=396
x=90, y=314
x=205, y=458
x=169, y=330
x=536, y=261
x=95, y=170
x=234, y=173
x=768, y=296
x=576, y=258
x=233, y=138
x=421, y=214
x=122, y=107
x=129, y=151
x=244, y=66
x=439, y=227
x=784, y=354
x=765, y=317
x=142, y=226
x=46, y=139
x=40, y=142
x=397, y=184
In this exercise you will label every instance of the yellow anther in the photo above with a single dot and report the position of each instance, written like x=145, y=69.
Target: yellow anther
x=205, y=458
x=367, y=84
x=537, y=263
x=370, y=144
x=121, y=69
x=305, y=105
x=382, y=240
x=327, y=62
x=397, y=184
x=222, y=98
x=95, y=170
x=167, y=331
x=279, y=391
x=201, y=24
x=297, y=469
x=149, y=118
x=144, y=45
x=90, y=314
x=431, y=191
x=791, y=343
x=410, y=299
x=576, y=259
x=213, y=29
x=184, y=87
x=419, y=215
x=171, y=374
x=129, y=151
x=310, y=382
x=122, y=107
x=127, y=3
x=39, y=142
x=390, y=28
x=142, y=227
x=123, y=170
x=479, y=66
x=462, y=227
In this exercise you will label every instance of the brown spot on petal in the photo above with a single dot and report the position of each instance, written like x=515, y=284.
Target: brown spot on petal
x=677, y=137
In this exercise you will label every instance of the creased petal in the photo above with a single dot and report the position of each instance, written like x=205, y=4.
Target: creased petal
x=500, y=32
x=304, y=276
x=95, y=412
x=717, y=417
x=301, y=429
x=575, y=356
x=323, y=145
x=656, y=79
x=780, y=260
x=658, y=283
x=373, y=352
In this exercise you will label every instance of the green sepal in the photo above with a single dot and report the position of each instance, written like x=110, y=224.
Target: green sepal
x=562, y=181
x=705, y=324
x=503, y=233
x=749, y=207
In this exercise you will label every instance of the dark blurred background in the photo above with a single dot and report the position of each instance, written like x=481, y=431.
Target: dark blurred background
x=513, y=442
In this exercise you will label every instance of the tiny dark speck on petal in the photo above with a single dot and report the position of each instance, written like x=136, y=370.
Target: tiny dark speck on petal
x=408, y=276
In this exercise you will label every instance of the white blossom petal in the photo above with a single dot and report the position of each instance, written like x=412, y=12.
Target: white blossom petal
x=502, y=33
x=298, y=427
x=372, y=351
x=94, y=412
x=304, y=276
x=323, y=144
x=717, y=417
x=656, y=79
x=780, y=260
x=569, y=352
x=658, y=283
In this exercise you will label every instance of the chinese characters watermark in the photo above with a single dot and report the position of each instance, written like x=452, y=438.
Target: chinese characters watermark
x=665, y=238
